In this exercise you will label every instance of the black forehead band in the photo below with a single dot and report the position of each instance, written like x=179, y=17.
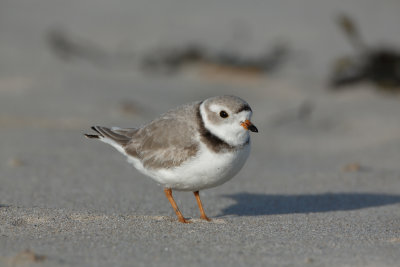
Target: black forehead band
x=244, y=107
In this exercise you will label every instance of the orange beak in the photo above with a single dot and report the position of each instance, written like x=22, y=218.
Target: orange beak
x=249, y=126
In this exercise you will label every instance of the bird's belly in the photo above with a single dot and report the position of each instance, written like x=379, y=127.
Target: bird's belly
x=207, y=170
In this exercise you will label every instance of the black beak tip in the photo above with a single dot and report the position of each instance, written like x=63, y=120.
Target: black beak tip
x=253, y=128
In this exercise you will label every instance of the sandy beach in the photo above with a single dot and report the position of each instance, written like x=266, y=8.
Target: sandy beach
x=320, y=188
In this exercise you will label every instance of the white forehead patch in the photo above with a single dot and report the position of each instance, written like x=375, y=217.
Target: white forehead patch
x=217, y=108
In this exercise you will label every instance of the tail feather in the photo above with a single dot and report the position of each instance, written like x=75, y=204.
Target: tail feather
x=118, y=135
x=95, y=136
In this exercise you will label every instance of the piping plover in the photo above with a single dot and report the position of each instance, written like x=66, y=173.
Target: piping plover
x=192, y=147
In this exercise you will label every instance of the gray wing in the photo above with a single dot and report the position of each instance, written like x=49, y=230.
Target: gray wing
x=167, y=141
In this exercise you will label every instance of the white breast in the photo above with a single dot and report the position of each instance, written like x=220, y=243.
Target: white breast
x=208, y=169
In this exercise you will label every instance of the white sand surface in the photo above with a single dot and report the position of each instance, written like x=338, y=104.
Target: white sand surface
x=322, y=184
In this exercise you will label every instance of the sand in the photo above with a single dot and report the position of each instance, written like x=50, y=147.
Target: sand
x=322, y=184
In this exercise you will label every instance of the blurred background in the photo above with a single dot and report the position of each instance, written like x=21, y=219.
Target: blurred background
x=310, y=69
x=304, y=66
x=322, y=78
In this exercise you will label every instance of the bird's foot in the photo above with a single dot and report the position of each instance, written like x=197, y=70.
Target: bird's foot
x=205, y=218
x=183, y=220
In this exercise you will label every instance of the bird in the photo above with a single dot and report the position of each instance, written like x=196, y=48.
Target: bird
x=192, y=147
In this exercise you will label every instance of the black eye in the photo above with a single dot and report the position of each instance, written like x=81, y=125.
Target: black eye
x=223, y=114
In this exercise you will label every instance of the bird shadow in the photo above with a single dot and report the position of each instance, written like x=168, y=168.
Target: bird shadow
x=248, y=204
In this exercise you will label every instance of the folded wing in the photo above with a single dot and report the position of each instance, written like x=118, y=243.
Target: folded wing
x=165, y=143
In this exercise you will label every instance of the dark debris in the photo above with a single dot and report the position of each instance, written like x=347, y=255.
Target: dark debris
x=165, y=60
x=380, y=66
x=174, y=59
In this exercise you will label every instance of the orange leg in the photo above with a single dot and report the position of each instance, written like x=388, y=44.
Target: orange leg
x=202, y=213
x=168, y=194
